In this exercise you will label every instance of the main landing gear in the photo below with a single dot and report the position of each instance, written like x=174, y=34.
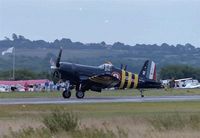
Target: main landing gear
x=67, y=93
x=79, y=92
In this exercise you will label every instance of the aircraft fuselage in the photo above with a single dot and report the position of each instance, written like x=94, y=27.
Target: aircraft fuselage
x=96, y=78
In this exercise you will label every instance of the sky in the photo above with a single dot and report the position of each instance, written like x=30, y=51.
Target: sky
x=93, y=21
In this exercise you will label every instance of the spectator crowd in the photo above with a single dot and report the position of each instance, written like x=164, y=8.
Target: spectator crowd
x=31, y=85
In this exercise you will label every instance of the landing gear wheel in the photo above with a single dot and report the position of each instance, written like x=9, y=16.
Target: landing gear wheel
x=80, y=94
x=141, y=93
x=66, y=94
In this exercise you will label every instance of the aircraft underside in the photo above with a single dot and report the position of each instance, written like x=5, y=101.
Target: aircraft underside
x=80, y=90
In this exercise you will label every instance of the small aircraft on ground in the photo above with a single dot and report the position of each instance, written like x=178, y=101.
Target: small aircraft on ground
x=187, y=83
x=96, y=78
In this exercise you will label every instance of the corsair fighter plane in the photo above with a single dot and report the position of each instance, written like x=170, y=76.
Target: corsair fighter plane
x=96, y=78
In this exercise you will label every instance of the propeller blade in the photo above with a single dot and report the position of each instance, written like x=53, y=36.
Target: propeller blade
x=52, y=62
x=58, y=59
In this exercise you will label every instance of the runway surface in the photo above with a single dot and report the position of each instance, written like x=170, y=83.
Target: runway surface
x=97, y=100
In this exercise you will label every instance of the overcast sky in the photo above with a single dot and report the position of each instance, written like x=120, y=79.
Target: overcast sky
x=127, y=21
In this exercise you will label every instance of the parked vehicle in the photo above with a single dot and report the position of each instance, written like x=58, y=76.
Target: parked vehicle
x=4, y=88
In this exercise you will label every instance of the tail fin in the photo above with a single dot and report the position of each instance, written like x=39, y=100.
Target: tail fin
x=148, y=70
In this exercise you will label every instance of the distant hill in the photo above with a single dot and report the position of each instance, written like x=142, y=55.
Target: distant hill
x=35, y=55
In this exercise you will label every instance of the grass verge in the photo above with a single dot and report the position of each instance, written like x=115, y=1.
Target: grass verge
x=175, y=121
x=59, y=123
x=161, y=119
x=128, y=92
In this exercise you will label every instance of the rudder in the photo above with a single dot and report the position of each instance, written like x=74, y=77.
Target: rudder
x=148, y=70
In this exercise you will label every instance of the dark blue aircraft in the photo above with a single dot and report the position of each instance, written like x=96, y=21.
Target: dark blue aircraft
x=96, y=78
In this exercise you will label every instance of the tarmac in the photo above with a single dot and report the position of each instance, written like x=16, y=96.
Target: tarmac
x=133, y=99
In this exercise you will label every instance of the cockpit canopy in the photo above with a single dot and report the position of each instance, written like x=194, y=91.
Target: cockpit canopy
x=106, y=66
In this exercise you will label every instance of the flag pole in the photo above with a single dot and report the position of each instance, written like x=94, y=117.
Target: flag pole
x=14, y=63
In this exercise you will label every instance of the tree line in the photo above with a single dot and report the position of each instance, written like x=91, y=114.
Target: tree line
x=167, y=72
x=24, y=74
x=35, y=55
x=22, y=42
x=179, y=72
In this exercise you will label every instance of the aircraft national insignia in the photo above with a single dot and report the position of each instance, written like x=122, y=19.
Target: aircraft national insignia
x=116, y=75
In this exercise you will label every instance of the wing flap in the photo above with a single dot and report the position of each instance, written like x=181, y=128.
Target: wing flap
x=106, y=80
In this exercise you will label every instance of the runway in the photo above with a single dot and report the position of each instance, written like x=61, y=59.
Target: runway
x=97, y=100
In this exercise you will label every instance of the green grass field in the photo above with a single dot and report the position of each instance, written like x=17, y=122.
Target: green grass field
x=158, y=119
x=102, y=110
x=131, y=92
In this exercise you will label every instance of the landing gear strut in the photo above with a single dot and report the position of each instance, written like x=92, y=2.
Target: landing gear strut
x=67, y=93
x=141, y=93
x=79, y=92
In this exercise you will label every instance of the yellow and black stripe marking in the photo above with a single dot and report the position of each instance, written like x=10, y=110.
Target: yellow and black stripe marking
x=128, y=80
x=123, y=78
x=135, y=81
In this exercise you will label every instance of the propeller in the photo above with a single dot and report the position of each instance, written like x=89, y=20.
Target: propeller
x=56, y=76
x=52, y=63
x=58, y=58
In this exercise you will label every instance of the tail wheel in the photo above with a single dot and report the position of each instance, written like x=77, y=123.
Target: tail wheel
x=66, y=94
x=80, y=94
x=141, y=93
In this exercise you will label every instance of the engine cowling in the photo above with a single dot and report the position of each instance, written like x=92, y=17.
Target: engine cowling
x=56, y=76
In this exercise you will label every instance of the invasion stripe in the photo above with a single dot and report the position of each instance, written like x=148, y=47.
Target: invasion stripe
x=126, y=81
x=136, y=81
x=129, y=79
x=122, y=79
x=132, y=83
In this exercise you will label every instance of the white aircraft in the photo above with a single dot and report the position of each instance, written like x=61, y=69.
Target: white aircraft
x=187, y=83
